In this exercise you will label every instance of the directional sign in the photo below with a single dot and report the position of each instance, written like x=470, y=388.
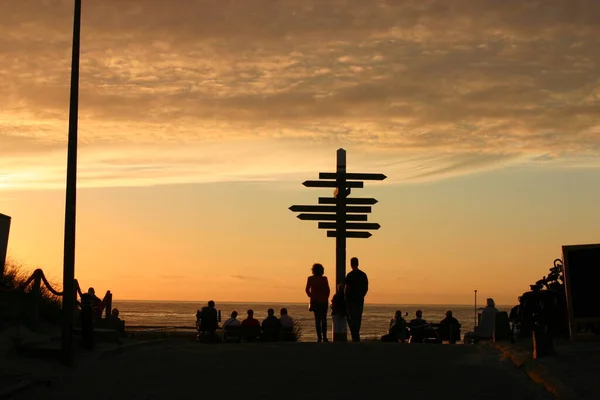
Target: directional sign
x=353, y=177
x=350, y=225
x=331, y=217
x=349, y=200
x=331, y=184
x=350, y=209
x=336, y=213
x=359, y=235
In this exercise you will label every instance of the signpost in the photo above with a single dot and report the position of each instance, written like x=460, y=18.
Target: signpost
x=340, y=209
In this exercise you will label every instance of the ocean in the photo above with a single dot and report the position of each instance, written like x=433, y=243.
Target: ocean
x=375, y=321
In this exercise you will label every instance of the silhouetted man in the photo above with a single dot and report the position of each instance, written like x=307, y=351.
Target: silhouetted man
x=287, y=322
x=250, y=327
x=418, y=326
x=271, y=326
x=357, y=286
x=449, y=328
x=209, y=318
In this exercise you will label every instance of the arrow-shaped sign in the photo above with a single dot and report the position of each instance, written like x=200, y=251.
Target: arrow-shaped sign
x=331, y=217
x=349, y=200
x=350, y=225
x=360, y=235
x=350, y=209
x=331, y=184
x=355, y=177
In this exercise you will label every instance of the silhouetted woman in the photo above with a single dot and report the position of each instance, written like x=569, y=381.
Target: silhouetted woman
x=317, y=289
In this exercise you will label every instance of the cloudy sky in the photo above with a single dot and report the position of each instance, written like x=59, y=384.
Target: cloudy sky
x=199, y=119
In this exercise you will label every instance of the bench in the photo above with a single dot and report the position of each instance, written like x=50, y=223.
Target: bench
x=237, y=333
x=431, y=334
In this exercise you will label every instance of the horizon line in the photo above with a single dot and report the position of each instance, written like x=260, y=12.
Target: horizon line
x=300, y=303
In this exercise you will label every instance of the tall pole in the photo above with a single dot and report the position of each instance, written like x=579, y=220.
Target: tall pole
x=475, y=312
x=68, y=305
x=340, y=331
x=340, y=227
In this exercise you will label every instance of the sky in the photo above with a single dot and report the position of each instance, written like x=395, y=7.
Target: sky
x=199, y=120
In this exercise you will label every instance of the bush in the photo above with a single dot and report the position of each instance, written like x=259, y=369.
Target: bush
x=14, y=302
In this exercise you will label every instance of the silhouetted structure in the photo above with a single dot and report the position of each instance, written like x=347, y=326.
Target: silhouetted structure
x=581, y=276
x=337, y=211
x=71, y=195
x=4, y=233
x=543, y=307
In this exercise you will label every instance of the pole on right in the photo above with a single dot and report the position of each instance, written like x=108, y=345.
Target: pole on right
x=340, y=329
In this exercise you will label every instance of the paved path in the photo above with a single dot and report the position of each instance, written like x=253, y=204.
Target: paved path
x=182, y=370
x=572, y=374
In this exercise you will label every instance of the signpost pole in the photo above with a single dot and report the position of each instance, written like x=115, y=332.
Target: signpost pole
x=68, y=303
x=340, y=332
x=340, y=227
x=333, y=214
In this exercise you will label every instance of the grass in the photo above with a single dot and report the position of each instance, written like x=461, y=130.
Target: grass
x=15, y=303
x=297, y=330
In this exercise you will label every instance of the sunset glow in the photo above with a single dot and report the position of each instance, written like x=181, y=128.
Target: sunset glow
x=200, y=119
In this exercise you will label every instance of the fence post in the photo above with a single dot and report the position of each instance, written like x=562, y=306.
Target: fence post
x=36, y=295
x=108, y=304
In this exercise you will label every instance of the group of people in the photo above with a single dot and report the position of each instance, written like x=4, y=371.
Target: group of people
x=97, y=308
x=250, y=329
x=346, y=305
x=271, y=329
x=418, y=330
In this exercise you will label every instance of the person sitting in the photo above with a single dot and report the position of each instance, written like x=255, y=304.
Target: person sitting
x=231, y=328
x=418, y=328
x=232, y=321
x=287, y=325
x=271, y=327
x=397, y=330
x=209, y=320
x=287, y=322
x=449, y=329
x=487, y=323
x=97, y=305
x=117, y=323
x=250, y=327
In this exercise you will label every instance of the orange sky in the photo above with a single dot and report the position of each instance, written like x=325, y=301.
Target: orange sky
x=199, y=121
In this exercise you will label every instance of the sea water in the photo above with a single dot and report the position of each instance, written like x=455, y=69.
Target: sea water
x=375, y=320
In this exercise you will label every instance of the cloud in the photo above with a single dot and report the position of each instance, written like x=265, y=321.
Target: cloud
x=455, y=87
x=246, y=278
x=173, y=277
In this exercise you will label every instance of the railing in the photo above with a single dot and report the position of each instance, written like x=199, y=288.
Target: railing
x=35, y=283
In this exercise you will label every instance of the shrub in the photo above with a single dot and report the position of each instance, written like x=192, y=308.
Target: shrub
x=297, y=330
x=14, y=302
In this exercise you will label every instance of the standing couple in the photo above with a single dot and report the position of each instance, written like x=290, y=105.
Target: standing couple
x=352, y=293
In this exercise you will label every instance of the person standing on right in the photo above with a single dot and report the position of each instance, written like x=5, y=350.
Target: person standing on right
x=357, y=286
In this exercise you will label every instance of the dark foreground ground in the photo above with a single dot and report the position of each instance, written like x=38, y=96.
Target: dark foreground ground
x=178, y=369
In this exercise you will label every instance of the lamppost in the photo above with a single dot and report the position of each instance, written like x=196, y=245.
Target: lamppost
x=68, y=304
